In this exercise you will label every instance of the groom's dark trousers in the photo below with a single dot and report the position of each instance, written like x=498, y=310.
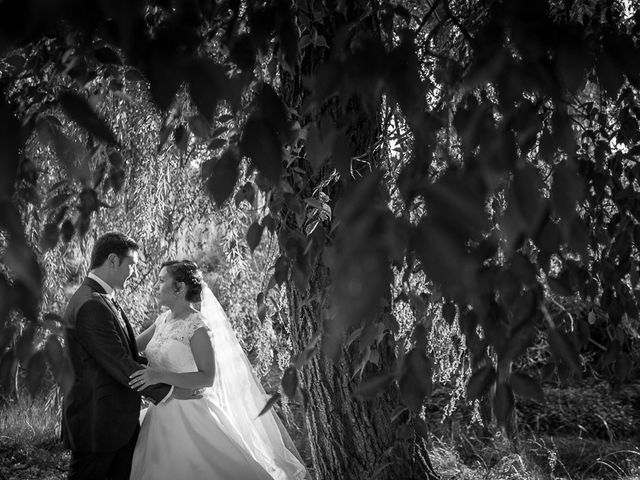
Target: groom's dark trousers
x=100, y=411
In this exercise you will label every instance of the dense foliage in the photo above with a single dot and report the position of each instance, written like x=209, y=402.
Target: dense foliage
x=502, y=184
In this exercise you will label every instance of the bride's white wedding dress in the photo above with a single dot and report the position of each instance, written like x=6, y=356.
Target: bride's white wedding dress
x=217, y=437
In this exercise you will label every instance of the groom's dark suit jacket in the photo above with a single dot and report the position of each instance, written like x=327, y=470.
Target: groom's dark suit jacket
x=100, y=412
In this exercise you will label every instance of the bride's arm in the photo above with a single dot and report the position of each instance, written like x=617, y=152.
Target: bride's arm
x=143, y=339
x=202, y=351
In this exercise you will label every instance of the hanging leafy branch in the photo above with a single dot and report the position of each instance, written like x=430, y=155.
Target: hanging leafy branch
x=521, y=183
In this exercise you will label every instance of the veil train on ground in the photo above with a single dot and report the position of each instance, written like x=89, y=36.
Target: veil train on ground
x=239, y=393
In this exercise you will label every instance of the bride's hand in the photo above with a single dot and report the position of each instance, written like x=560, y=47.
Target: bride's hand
x=145, y=377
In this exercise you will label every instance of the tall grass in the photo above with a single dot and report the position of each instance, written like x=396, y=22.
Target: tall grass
x=532, y=457
x=24, y=420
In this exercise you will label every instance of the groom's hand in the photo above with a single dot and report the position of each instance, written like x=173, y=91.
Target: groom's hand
x=186, y=393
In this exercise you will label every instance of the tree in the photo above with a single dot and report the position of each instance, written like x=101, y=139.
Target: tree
x=520, y=187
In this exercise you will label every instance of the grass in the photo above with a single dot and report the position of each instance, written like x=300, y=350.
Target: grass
x=536, y=458
x=30, y=446
x=30, y=421
x=30, y=449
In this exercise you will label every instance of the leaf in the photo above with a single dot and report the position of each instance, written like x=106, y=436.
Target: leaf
x=527, y=192
x=181, y=137
x=609, y=74
x=165, y=131
x=399, y=410
x=369, y=388
x=99, y=173
x=6, y=337
x=327, y=81
x=59, y=363
x=480, y=382
x=107, y=55
x=578, y=237
x=219, y=131
x=288, y=35
x=8, y=366
x=274, y=111
x=208, y=83
x=456, y=204
x=67, y=230
x=199, y=126
x=320, y=41
x=416, y=381
x=566, y=191
x=526, y=386
x=572, y=62
x=23, y=264
x=341, y=154
x=133, y=75
x=564, y=350
x=270, y=403
x=24, y=345
x=449, y=312
x=309, y=350
x=49, y=237
x=115, y=159
x=420, y=427
x=243, y=52
x=36, y=369
x=73, y=156
x=281, y=272
x=559, y=287
x=318, y=147
x=524, y=269
x=223, y=177
x=548, y=240
x=443, y=255
x=262, y=307
x=117, y=178
x=289, y=381
x=58, y=200
x=217, y=143
x=16, y=61
x=247, y=192
x=254, y=234
x=259, y=142
x=622, y=367
x=503, y=403
x=46, y=131
x=548, y=146
x=79, y=110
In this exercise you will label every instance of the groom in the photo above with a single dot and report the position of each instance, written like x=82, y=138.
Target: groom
x=100, y=414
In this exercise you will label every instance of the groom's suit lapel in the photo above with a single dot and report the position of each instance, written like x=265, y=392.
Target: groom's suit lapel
x=127, y=334
x=130, y=335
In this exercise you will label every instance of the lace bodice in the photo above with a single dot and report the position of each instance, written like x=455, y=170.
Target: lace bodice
x=169, y=348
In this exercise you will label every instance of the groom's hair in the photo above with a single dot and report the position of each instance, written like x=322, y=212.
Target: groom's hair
x=112, y=242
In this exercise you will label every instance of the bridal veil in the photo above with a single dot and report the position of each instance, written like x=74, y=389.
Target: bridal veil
x=239, y=393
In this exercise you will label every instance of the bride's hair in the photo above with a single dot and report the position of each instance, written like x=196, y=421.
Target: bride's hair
x=187, y=272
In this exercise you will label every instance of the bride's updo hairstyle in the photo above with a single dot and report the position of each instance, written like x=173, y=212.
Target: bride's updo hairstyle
x=188, y=273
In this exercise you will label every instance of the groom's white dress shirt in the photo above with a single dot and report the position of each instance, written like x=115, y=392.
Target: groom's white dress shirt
x=109, y=293
x=108, y=289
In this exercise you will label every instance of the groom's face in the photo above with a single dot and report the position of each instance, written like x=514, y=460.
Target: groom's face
x=125, y=269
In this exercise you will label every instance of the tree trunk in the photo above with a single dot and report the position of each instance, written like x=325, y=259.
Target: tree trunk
x=351, y=438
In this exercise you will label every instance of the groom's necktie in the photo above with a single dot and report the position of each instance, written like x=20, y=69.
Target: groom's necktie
x=119, y=317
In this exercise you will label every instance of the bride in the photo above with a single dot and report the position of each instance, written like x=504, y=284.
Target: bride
x=220, y=435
